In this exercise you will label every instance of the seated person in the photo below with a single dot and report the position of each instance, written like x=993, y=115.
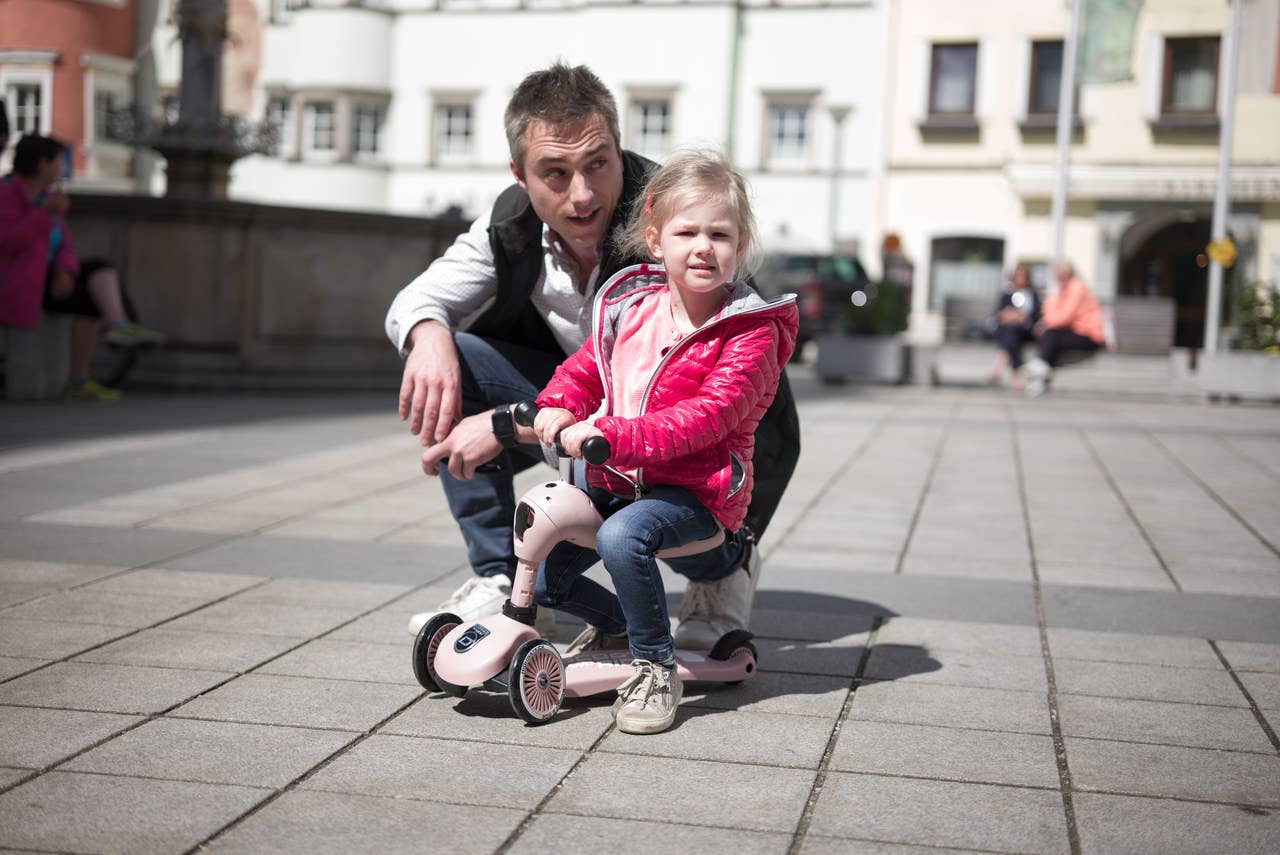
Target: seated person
x=1070, y=320
x=40, y=268
x=1016, y=316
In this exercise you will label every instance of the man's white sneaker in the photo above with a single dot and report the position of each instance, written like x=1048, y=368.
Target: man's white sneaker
x=710, y=609
x=647, y=701
x=477, y=597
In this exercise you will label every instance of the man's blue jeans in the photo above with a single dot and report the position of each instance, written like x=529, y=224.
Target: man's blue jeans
x=632, y=534
x=493, y=373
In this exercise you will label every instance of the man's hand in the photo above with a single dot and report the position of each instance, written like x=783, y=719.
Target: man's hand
x=468, y=445
x=62, y=285
x=431, y=391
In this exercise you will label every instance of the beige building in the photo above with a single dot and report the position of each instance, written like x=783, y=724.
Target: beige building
x=972, y=95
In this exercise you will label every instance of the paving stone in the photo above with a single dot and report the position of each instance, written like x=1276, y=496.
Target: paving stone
x=935, y=635
x=45, y=639
x=1192, y=725
x=212, y=752
x=9, y=777
x=259, y=618
x=838, y=658
x=1130, y=647
x=50, y=574
x=36, y=738
x=890, y=809
x=946, y=753
x=582, y=835
x=968, y=565
x=176, y=648
x=108, y=688
x=1247, y=656
x=801, y=625
x=446, y=771
x=12, y=667
x=1128, y=825
x=957, y=668
x=385, y=626
x=740, y=796
x=314, y=822
x=952, y=706
x=126, y=815
x=766, y=692
x=853, y=560
x=301, y=702
x=1174, y=771
x=488, y=717
x=86, y=606
x=817, y=845
x=360, y=596
x=732, y=737
x=1146, y=682
x=158, y=582
x=347, y=660
x=1095, y=574
x=1265, y=688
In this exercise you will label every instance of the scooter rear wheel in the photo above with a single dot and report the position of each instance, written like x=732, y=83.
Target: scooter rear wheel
x=535, y=681
x=425, y=647
x=730, y=645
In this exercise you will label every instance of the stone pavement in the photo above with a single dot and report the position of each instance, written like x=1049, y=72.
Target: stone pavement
x=985, y=624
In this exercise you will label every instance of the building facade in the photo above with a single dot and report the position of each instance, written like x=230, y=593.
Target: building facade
x=64, y=65
x=972, y=154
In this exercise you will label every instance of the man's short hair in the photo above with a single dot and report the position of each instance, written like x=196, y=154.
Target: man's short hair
x=559, y=95
x=31, y=151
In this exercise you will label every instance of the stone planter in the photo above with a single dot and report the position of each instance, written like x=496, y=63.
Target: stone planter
x=1240, y=374
x=861, y=359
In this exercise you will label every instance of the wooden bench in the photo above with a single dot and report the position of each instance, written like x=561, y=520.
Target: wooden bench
x=36, y=362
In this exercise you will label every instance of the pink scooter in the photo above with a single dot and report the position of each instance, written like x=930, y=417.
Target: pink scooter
x=504, y=652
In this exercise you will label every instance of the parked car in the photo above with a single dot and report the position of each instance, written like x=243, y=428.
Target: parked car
x=835, y=294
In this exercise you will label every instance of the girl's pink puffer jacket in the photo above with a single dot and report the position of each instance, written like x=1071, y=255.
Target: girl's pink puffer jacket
x=696, y=427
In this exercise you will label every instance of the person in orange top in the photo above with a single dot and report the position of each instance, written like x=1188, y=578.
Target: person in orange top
x=1069, y=320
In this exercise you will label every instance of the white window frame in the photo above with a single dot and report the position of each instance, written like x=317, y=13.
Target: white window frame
x=26, y=67
x=307, y=145
x=655, y=146
x=442, y=155
x=112, y=75
x=378, y=152
x=799, y=157
x=288, y=126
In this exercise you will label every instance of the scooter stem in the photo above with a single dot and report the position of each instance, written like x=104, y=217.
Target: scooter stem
x=522, y=586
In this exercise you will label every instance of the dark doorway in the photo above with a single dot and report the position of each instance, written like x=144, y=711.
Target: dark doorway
x=1172, y=263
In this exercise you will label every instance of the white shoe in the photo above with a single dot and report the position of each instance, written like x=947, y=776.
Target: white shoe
x=479, y=596
x=647, y=701
x=710, y=609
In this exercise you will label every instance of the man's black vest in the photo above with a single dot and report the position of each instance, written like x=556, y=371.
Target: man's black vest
x=515, y=233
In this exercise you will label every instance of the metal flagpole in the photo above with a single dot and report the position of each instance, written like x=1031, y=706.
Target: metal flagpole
x=1066, y=115
x=1221, y=198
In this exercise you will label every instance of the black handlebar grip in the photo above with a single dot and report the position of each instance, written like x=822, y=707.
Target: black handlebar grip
x=596, y=450
x=524, y=413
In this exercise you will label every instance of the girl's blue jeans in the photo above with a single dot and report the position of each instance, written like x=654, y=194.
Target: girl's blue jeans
x=634, y=531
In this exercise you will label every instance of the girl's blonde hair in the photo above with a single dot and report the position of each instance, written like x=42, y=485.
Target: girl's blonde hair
x=692, y=175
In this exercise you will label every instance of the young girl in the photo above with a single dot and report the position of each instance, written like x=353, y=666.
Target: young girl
x=683, y=360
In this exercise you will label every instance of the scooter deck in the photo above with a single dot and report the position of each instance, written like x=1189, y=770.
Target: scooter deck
x=594, y=673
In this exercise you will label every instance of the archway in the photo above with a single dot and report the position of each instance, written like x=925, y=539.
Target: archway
x=1170, y=262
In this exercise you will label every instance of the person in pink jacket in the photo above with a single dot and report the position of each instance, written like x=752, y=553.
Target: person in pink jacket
x=683, y=360
x=39, y=267
x=1069, y=320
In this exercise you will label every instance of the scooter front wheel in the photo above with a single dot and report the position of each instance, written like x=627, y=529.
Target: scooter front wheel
x=425, y=647
x=535, y=681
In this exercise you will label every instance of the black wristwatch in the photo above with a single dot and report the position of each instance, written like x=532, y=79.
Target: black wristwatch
x=504, y=426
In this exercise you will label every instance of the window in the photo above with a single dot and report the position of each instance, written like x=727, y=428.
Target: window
x=367, y=123
x=649, y=126
x=26, y=108
x=280, y=116
x=953, y=80
x=1046, y=78
x=1190, y=77
x=104, y=102
x=453, y=133
x=787, y=134
x=319, y=127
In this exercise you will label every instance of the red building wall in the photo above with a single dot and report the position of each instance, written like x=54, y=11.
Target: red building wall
x=72, y=28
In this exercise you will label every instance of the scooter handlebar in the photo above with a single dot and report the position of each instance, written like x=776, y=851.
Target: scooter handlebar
x=595, y=450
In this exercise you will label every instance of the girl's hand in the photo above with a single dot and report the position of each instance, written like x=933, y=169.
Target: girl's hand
x=550, y=422
x=575, y=435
